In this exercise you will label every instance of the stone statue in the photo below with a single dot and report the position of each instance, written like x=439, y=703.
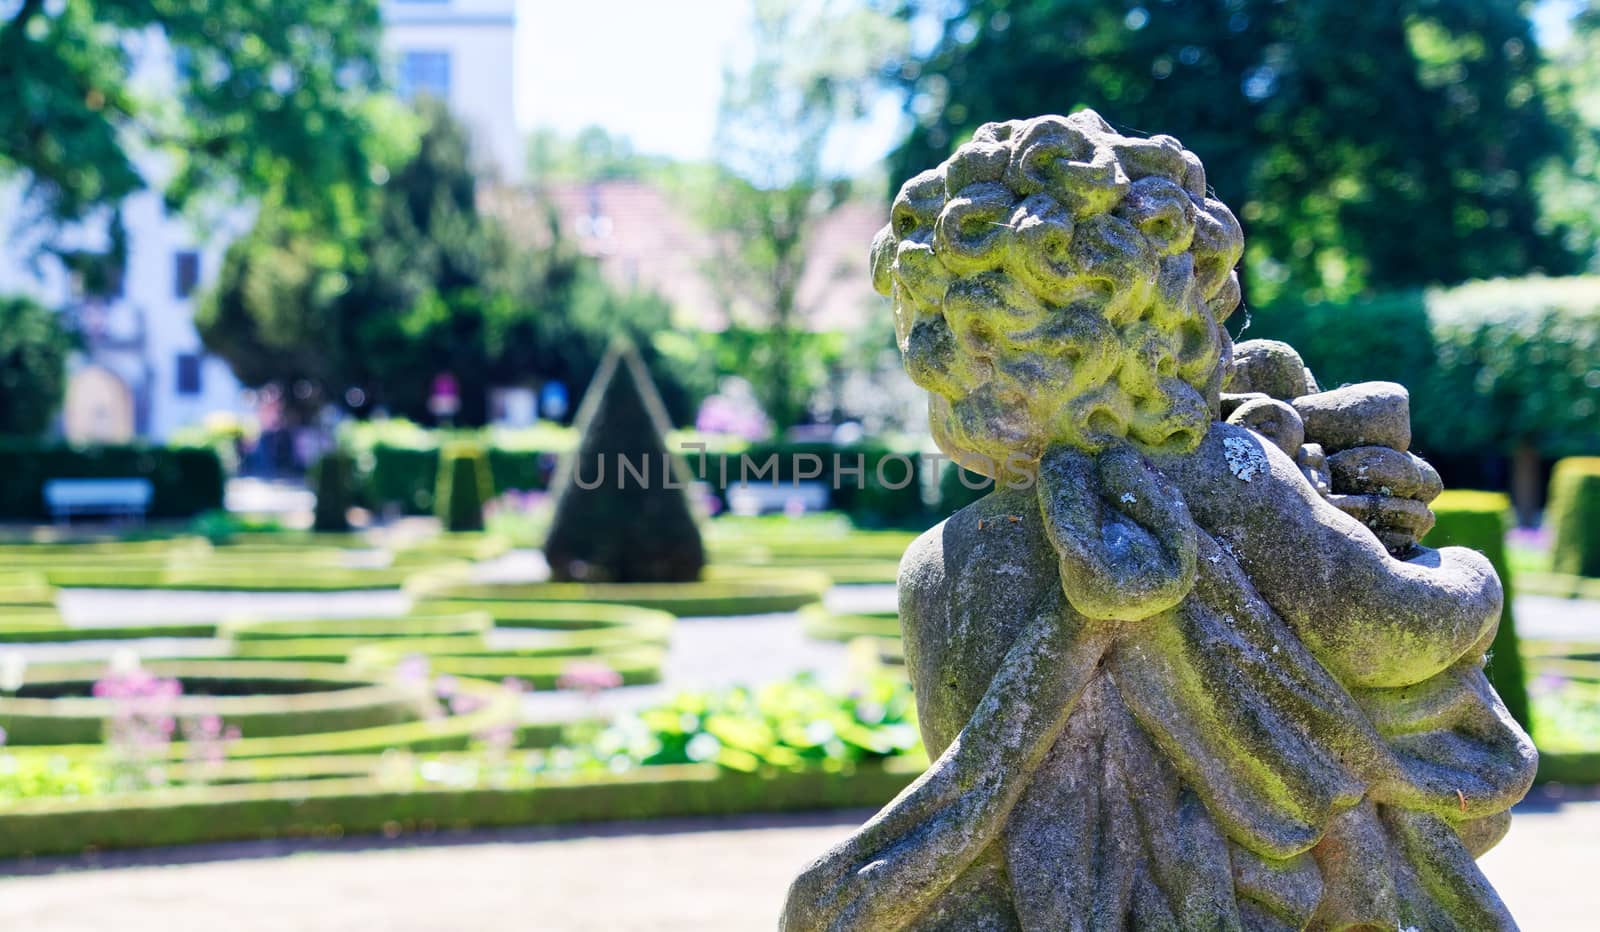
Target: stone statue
x=1191, y=670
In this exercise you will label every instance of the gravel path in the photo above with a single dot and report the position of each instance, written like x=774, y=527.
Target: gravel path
x=704, y=875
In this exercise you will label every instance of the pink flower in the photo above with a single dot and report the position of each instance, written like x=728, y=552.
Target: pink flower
x=588, y=677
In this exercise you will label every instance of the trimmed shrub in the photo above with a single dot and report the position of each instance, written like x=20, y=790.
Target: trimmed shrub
x=186, y=480
x=956, y=488
x=263, y=700
x=407, y=477
x=624, y=528
x=1477, y=520
x=1574, y=516
x=727, y=590
x=355, y=806
x=331, y=480
x=464, y=487
x=886, y=491
x=404, y=476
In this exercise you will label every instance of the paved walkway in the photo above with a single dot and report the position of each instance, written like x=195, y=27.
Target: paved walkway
x=701, y=875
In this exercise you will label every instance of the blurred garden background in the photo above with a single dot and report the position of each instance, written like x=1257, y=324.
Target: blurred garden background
x=304, y=305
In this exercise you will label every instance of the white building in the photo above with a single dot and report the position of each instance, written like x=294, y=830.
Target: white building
x=144, y=371
x=464, y=53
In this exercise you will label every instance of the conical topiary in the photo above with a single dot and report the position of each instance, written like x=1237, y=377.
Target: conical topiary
x=331, y=480
x=464, y=485
x=621, y=511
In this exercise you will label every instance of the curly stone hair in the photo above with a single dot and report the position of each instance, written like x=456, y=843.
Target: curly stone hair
x=1055, y=282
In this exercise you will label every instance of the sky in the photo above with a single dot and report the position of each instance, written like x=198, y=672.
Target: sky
x=651, y=70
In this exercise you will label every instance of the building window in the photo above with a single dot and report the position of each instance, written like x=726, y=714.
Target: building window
x=189, y=373
x=186, y=272
x=425, y=73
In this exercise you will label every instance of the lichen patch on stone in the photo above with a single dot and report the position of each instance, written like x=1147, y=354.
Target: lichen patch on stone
x=1244, y=458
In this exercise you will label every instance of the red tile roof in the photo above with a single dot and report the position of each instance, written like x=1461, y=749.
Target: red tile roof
x=643, y=238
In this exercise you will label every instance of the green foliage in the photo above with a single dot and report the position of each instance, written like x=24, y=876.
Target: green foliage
x=887, y=491
x=331, y=481
x=789, y=725
x=610, y=525
x=309, y=808
x=1478, y=520
x=430, y=285
x=186, y=481
x=33, y=366
x=1574, y=516
x=809, y=76
x=268, y=96
x=1363, y=146
x=590, y=155
x=960, y=487
x=465, y=485
x=1490, y=365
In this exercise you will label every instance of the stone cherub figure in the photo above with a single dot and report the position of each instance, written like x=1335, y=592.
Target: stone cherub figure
x=1198, y=674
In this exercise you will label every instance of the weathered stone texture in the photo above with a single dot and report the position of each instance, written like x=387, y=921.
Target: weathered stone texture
x=1200, y=675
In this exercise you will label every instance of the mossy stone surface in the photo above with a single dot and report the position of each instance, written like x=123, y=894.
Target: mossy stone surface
x=1181, y=681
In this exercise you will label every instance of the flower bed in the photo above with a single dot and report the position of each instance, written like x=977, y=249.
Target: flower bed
x=55, y=704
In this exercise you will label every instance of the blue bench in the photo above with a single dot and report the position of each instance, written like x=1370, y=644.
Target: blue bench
x=116, y=498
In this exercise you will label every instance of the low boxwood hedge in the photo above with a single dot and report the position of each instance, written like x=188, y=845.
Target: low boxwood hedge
x=467, y=623
x=536, y=668
x=724, y=591
x=341, y=700
x=820, y=623
x=316, y=808
x=48, y=628
x=500, y=709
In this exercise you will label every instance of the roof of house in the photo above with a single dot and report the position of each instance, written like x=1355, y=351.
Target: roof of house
x=643, y=238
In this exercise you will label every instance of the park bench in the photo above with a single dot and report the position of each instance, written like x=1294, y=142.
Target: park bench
x=117, y=498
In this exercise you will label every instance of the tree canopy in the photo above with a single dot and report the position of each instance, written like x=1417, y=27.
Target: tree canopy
x=33, y=366
x=1363, y=146
x=268, y=95
x=430, y=286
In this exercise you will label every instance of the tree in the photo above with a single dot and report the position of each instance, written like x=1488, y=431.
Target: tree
x=593, y=154
x=1362, y=145
x=33, y=366
x=430, y=285
x=811, y=69
x=268, y=96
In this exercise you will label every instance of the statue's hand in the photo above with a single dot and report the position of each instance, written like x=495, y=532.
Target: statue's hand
x=1126, y=543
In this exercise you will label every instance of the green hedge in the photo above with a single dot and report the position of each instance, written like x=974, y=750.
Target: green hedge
x=1489, y=364
x=332, y=478
x=501, y=708
x=341, y=702
x=1574, y=516
x=48, y=628
x=441, y=625
x=186, y=481
x=318, y=808
x=407, y=477
x=464, y=488
x=866, y=499
x=1477, y=520
x=725, y=591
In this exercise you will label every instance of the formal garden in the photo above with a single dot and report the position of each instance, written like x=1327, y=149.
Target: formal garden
x=1169, y=531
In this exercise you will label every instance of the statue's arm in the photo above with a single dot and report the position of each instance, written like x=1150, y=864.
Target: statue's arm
x=1373, y=619
x=896, y=865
